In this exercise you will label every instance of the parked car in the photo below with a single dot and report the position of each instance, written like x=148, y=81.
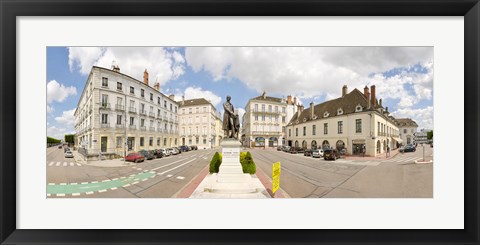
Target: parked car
x=158, y=153
x=165, y=152
x=279, y=148
x=146, y=154
x=317, y=153
x=68, y=154
x=286, y=148
x=175, y=151
x=194, y=147
x=134, y=157
x=184, y=148
x=308, y=152
x=154, y=153
x=409, y=148
x=60, y=147
x=295, y=150
x=331, y=154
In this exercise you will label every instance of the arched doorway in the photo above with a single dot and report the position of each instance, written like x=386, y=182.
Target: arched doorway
x=272, y=142
x=296, y=143
x=378, y=146
x=340, y=145
x=260, y=142
x=314, y=144
x=325, y=144
x=304, y=144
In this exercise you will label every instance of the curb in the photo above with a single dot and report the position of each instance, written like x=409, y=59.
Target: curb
x=190, y=187
x=421, y=162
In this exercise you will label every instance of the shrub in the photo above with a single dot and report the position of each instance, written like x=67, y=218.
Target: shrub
x=215, y=163
x=248, y=165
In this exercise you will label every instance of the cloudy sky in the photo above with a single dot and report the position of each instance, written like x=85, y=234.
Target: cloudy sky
x=403, y=75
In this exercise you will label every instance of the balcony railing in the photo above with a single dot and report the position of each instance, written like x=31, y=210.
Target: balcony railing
x=143, y=112
x=132, y=110
x=143, y=128
x=119, y=107
x=119, y=125
x=132, y=127
x=151, y=114
x=105, y=106
x=266, y=133
x=105, y=125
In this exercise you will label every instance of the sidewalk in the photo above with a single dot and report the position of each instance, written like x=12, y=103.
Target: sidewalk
x=393, y=153
x=114, y=163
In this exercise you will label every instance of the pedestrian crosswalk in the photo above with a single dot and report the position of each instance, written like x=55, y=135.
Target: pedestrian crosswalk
x=64, y=164
x=404, y=159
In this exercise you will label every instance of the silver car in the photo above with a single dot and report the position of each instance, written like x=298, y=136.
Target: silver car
x=317, y=153
x=68, y=154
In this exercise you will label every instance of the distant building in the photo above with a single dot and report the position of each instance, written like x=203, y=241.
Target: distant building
x=407, y=128
x=115, y=109
x=354, y=122
x=199, y=123
x=265, y=119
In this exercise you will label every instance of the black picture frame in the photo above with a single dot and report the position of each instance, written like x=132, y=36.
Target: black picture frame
x=10, y=9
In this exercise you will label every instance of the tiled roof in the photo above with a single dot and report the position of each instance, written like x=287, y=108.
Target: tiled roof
x=406, y=122
x=194, y=102
x=347, y=103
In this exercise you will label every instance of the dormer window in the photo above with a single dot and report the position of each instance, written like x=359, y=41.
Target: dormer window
x=305, y=119
x=326, y=114
x=297, y=121
x=358, y=108
x=339, y=111
x=314, y=117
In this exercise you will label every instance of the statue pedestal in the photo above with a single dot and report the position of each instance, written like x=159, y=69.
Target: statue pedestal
x=230, y=182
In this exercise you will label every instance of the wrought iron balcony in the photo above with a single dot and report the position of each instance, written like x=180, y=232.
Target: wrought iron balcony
x=104, y=106
x=105, y=125
x=151, y=114
x=119, y=107
x=143, y=112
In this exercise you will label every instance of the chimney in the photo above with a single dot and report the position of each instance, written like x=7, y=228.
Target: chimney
x=366, y=92
x=386, y=109
x=183, y=99
x=372, y=97
x=380, y=102
x=294, y=100
x=157, y=86
x=289, y=100
x=344, y=90
x=312, y=111
x=145, y=77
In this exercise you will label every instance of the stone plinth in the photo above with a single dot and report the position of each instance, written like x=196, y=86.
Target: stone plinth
x=230, y=182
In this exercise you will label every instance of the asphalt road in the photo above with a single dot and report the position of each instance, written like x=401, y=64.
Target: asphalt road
x=307, y=177
x=158, y=178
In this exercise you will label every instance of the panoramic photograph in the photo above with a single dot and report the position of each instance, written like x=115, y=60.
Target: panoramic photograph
x=239, y=122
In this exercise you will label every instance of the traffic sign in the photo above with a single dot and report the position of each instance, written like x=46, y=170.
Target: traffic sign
x=276, y=171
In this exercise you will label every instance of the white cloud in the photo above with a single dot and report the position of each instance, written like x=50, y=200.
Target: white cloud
x=58, y=92
x=423, y=116
x=49, y=109
x=310, y=71
x=67, y=118
x=196, y=92
x=57, y=133
x=162, y=64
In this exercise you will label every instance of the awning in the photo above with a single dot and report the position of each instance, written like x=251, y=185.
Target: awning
x=397, y=139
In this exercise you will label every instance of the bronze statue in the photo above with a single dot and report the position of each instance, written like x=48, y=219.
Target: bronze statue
x=230, y=119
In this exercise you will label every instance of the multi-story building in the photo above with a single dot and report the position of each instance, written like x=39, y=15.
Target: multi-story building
x=354, y=122
x=407, y=128
x=199, y=123
x=265, y=119
x=117, y=114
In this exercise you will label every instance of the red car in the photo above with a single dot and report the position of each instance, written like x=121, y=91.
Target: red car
x=135, y=157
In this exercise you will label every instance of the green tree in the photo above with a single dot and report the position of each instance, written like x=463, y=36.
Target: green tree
x=51, y=140
x=430, y=135
x=248, y=165
x=69, y=138
x=215, y=163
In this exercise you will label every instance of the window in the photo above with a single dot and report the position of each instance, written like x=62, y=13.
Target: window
x=276, y=119
x=296, y=132
x=269, y=108
x=159, y=113
x=142, y=93
x=314, y=129
x=164, y=141
x=119, y=119
x=263, y=108
x=171, y=107
x=142, y=108
x=183, y=111
x=189, y=110
x=196, y=130
x=325, y=128
x=196, y=110
x=197, y=120
x=204, y=109
x=283, y=119
x=283, y=129
x=150, y=141
x=104, y=100
x=166, y=127
x=378, y=128
x=404, y=130
x=142, y=141
x=204, y=119
x=358, y=125
x=196, y=140
x=283, y=109
x=263, y=118
x=158, y=141
x=340, y=127
x=189, y=141
x=204, y=141
x=175, y=111
x=256, y=117
x=104, y=82
x=142, y=122
x=119, y=86
x=119, y=142
x=304, y=131
x=132, y=90
x=159, y=101
x=104, y=118
x=412, y=131
x=165, y=103
x=256, y=107
x=151, y=97
x=132, y=121
x=276, y=109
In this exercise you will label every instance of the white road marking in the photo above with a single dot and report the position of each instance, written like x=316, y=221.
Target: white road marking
x=63, y=183
x=168, y=176
x=58, y=164
x=78, y=164
x=115, y=179
x=134, y=183
x=166, y=165
x=89, y=192
x=94, y=182
x=60, y=195
x=105, y=180
x=127, y=185
x=51, y=183
x=75, y=194
x=83, y=183
x=51, y=163
x=71, y=164
x=48, y=194
x=73, y=183
x=166, y=171
x=180, y=177
x=64, y=164
x=113, y=188
x=102, y=190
